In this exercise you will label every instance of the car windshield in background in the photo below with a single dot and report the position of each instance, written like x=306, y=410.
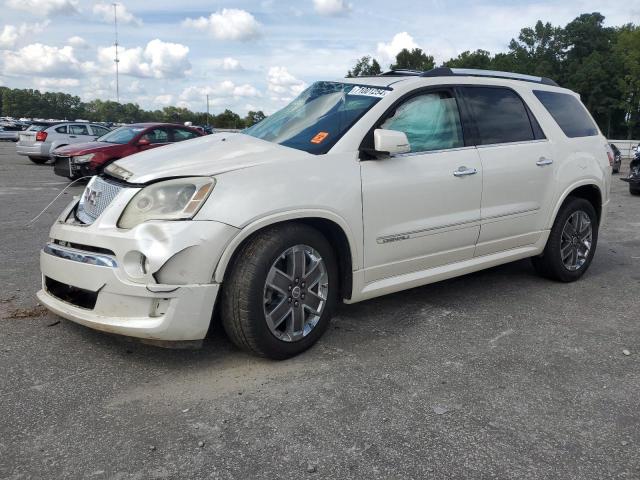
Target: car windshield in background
x=121, y=135
x=319, y=117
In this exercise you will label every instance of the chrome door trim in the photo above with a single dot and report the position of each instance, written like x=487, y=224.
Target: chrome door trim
x=425, y=231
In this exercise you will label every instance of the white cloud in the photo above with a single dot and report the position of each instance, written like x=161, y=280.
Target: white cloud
x=331, y=8
x=44, y=60
x=77, y=42
x=227, y=24
x=223, y=90
x=10, y=34
x=45, y=7
x=105, y=12
x=157, y=60
x=57, y=83
x=165, y=99
x=388, y=51
x=282, y=85
x=229, y=63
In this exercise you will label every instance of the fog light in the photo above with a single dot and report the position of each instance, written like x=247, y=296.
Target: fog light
x=136, y=264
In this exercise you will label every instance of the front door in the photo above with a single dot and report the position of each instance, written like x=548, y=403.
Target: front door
x=422, y=209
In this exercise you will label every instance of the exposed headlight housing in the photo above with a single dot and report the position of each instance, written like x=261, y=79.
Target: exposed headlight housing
x=178, y=199
x=118, y=172
x=83, y=158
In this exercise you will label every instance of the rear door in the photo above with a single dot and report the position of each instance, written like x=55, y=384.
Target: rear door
x=79, y=133
x=517, y=168
x=421, y=209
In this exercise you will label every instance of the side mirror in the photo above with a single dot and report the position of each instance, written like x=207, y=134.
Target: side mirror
x=143, y=142
x=390, y=141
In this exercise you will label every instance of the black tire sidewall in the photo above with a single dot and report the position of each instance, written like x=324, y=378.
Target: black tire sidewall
x=552, y=251
x=280, y=239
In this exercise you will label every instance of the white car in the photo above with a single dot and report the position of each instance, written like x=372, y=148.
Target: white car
x=39, y=140
x=359, y=188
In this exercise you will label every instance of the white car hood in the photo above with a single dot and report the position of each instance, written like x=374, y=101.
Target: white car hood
x=209, y=155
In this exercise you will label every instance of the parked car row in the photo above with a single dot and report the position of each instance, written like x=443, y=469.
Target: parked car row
x=82, y=149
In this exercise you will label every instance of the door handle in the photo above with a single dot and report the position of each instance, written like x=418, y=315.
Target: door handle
x=72, y=136
x=462, y=171
x=544, y=161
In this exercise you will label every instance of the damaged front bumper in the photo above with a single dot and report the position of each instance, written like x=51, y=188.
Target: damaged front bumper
x=154, y=281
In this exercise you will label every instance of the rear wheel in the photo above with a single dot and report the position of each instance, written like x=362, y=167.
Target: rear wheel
x=572, y=242
x=38, y=160
x=634, y=189
x=278, y=297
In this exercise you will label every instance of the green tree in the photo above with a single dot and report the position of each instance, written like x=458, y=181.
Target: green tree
x=415, y=59
x=478, y=59
x=254, y=117
x=365, y=67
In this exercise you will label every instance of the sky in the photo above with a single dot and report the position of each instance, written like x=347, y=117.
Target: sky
x=248, y=54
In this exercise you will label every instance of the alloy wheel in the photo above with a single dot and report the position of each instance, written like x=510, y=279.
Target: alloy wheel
x=295, y=293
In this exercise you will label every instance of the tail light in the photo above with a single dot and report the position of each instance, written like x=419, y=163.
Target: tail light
x=41, y=136
x=610, y=155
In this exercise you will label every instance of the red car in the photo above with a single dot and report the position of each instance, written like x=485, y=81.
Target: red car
x=82, y=159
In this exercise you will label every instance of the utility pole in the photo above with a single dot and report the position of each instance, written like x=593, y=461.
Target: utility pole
x=207, y=110
x=116, y=60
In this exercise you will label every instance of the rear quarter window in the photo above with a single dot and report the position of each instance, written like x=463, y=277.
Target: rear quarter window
x=62, y=129
x=569, y=113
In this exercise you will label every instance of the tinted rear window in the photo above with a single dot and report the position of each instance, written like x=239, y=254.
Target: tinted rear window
x=569, y=113
x=500, y=115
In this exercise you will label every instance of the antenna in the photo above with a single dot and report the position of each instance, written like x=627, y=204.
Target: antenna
x=116, y=60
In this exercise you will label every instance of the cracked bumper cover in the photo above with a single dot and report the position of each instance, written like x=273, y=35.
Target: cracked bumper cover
x=135, y=303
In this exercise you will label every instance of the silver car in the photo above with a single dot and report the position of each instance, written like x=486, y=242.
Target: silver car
x=9, y=133
x=41, y=139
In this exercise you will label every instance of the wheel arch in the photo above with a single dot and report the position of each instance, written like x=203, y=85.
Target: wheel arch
x=334, y=228
x=588, y=190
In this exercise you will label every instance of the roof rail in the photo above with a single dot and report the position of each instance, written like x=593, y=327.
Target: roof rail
x=402, y=72
x=472, y=72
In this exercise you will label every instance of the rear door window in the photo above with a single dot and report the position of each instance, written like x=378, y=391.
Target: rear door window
x=78, y=130
x=180, y=134
x=568, y=112
x=500, y=115
x=97, y=130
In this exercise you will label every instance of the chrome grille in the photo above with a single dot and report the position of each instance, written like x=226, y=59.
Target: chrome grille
x=95, y=198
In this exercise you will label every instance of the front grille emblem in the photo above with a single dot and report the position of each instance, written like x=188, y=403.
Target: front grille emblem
x=91, y=196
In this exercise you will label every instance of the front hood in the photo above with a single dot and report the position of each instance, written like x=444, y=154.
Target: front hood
x=209, y=155
x=84, y=148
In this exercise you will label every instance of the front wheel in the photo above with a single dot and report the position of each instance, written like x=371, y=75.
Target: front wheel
x=278, y=297
x=39, y=160
x=572, y=242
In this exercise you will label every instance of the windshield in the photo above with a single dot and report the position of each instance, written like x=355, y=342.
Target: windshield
x=121, y=135
x=319, y=117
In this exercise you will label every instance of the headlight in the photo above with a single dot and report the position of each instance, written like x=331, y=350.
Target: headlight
x=178, y=199
x=83, y=158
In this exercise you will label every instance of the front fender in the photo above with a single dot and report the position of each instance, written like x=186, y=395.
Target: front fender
x=280, y=217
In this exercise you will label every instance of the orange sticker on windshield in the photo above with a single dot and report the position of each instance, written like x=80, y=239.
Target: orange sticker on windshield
x=319, y=138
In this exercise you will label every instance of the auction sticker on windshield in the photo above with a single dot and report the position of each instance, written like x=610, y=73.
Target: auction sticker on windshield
x=368, y=91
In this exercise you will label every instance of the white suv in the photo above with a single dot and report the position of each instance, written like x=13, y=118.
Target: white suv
x=359, y=188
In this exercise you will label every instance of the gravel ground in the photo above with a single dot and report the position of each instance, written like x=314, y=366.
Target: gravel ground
x=498, y=374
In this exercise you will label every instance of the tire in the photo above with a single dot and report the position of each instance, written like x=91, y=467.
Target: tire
x=39, y=160
x=550, y=264
x=244, y=294
x=634, y=189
